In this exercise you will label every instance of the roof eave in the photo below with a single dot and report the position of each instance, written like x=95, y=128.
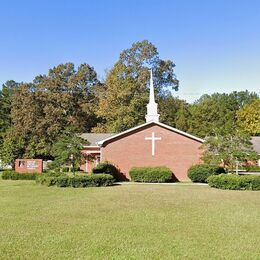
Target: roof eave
x=100, y=143
x=91, y=146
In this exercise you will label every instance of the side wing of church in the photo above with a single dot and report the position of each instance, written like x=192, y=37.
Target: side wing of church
x=150, y=144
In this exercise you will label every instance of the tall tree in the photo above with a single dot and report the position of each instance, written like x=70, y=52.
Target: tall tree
x=5, y=104
x=227, y=149
x=122, y=101
x=43, y=109
x=248, y=118
x=12, y=147
x=169, y=109
x=67, y=149
x=216, y=113
x=183, y=116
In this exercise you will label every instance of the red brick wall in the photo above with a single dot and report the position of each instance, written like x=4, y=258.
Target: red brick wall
x=175, y=151
x=28, y=165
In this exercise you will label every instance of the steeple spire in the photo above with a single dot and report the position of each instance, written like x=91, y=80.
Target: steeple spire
x=152, y=114
x=151, y=96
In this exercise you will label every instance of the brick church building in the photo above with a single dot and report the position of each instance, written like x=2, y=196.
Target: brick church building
x=150, y=144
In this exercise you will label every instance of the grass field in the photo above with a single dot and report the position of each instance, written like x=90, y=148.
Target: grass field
x=128, y=222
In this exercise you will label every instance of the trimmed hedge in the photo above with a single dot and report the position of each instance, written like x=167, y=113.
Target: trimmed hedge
x=12, y=175
x=200, y=172
x=151, y=174
x=76, y=181
x=106, y=168
x=235, y=182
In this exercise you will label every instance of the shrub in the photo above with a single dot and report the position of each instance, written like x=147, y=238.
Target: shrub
x=235, y=182
x=151, y=174
x=200, y=172
x=65, y=169
x=77, y=181
x=61, y=181
x=12, y=175
x=253, y=168
x=53, y=174
x=58, y=173
x=92, y=181
x=106, y=168
x=46, y=180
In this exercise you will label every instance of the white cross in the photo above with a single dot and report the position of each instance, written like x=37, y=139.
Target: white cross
x=153, y=139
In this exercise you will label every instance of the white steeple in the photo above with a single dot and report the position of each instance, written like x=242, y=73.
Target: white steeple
x=152, y=114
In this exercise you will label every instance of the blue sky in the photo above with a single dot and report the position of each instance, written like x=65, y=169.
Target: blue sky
x=215, y=44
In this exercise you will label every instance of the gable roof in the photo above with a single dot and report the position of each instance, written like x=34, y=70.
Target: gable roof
x=100, y=143
x=94, y=138
x=255, y=140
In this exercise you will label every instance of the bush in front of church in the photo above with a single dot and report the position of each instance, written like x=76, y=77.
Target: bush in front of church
x=106, y=168
x=12, y=175
x=200, y=172
x=76, y=181
x=151, y=174
x=235, y=182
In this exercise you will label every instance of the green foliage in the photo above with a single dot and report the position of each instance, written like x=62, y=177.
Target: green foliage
x=65, y=97
x=227, y=149
x=92, y=181
x=216, y=113
x=183, y=116
x=252, y=168
x=106, y=168
x=235, y=182
x=151, y=174
x=53, y=173
x=76, y=181
x=12, y=175
x=248, y=118
x=200, y=172
x=5, y=105
x=123, y=99
x=67, y=149
x=13, y=147
x=173, y=111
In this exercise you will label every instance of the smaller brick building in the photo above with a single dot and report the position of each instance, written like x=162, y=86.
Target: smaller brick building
x=28, y=165
x=150, y=144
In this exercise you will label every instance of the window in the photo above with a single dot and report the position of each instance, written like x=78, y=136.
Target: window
x=22, y=164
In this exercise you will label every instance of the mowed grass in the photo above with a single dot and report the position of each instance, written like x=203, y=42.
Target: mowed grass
x=128, y=222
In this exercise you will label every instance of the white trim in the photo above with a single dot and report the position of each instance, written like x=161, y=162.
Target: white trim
x=100, y=143
x=89, y=152
x=90, y=146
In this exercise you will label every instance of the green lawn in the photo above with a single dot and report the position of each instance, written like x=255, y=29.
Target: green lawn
x=128, y=222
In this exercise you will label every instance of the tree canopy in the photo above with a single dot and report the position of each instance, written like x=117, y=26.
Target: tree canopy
x=41, y=110
x=216, y=113
x=248, y=118
x=67, y=149
x=122, y=102
x=5, y=104
x=227, y=149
